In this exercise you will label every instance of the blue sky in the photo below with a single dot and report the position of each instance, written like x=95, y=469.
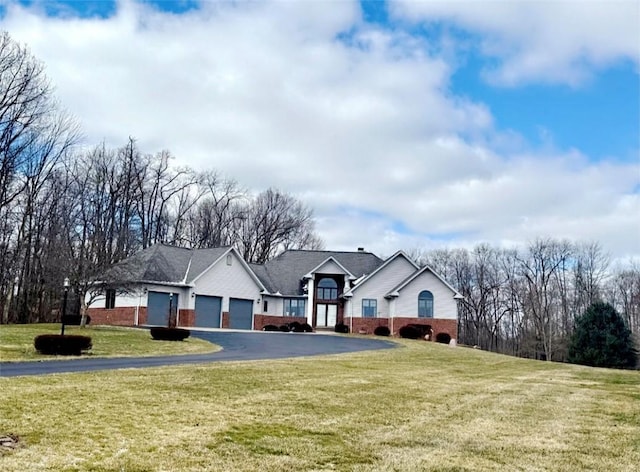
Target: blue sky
x=429, y=113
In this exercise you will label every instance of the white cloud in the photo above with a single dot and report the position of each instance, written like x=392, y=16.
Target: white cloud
x=365, y=130
x=554, y=41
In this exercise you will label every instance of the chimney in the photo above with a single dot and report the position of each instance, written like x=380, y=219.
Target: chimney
x=360, y=249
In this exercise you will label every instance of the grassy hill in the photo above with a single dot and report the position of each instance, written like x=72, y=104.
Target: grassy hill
x=16, y=342
x=424, y=406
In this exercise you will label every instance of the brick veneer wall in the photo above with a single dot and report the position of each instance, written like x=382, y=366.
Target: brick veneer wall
x=365, y=325
x=368, y=325
x=260, y=321
x=187, y=318
x=225, y=319
x=438, y=325
x=122, y=316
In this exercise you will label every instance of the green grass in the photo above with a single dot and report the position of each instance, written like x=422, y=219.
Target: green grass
x=16, y=342
x=423, y=407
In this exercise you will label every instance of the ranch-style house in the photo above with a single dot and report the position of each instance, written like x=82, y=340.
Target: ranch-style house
x=216, y=288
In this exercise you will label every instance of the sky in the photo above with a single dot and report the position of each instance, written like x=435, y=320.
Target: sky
x=403, y=124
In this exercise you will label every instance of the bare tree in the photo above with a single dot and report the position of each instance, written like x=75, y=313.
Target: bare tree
x=273, y=222
x=35, y=134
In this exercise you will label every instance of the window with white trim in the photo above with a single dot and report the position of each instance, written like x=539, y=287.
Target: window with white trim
x=425, y=304
x=294, y=307
x=369, y=307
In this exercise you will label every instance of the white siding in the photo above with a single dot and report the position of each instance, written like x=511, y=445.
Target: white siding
x=329, y=267
x=380, y=284
x=229, y=281
x=444, y=305
x=274, y=306
x=138, y=297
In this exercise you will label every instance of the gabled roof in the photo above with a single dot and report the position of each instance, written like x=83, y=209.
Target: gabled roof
x=165, y=264
x=385, y=264
x=395, y=292
x=284, y=273
x=328, y=259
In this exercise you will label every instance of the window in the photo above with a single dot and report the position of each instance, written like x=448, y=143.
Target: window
x=369, y=307
x=110, y=298
x=265, y=306
x=327, y=289
x=229, y=259
x=425, y=304
x=294, y=307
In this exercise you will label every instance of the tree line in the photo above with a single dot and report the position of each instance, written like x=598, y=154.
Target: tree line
x=71, y=213
x=525, y=301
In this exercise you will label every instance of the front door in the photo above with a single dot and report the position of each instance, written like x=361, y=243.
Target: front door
x=326, y=315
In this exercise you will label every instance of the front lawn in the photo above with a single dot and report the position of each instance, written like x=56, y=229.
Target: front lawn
x=422, y=407
x=16, y=342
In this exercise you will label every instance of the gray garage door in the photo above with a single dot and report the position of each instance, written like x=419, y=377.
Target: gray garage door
x=208, y=311
x=158, y=307
x=240, y=314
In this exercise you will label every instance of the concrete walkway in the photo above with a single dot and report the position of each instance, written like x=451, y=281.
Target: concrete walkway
x=236, y=346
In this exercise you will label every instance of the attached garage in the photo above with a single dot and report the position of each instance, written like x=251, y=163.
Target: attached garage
x=240, y=313
x=158, y=307
x=208, y=311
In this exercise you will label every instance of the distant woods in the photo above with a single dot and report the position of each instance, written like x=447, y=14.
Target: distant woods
x=70, y=213
x=96, y=208
x=525, y=301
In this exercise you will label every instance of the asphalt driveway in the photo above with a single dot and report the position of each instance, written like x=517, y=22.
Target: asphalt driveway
x=236, y=346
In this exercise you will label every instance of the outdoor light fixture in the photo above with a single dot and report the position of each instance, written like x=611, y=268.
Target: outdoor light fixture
x=65, y=284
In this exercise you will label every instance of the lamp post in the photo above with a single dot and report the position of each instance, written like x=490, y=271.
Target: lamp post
x=170, y=324
x=64, y=303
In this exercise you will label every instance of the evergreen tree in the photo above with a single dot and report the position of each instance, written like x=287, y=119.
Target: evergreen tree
x=601, y=339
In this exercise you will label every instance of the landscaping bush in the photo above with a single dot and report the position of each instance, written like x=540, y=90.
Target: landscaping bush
x=410, y=332
x=382, y=331
x=443, y=338
x=74, y=320
x=169, y=334
x=270, y=328
x=306, y=328
x=341, y=328
x=423, y=329
x=295, y=327
x=62, y=344
x=285, y=328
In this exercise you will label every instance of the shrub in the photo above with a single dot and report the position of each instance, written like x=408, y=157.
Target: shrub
x=66, y=345
x=270, y=327
x=306, y=328
x=341, y=328
x=410, y=332
x=443, y=338
x=295, y=327
x=423, y=329
x=601, y=339
x=382, y=331
x=285, y=328
x=169, y=334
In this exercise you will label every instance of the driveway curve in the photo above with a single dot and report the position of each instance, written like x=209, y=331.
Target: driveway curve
x=236, y=346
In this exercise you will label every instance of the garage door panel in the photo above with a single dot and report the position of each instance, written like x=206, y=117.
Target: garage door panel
x=158, y=307
x=240, y=314
x=208, y=311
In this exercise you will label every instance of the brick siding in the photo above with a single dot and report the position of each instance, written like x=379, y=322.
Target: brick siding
x=260, y=321
x=187, y=318
x=122, y=316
